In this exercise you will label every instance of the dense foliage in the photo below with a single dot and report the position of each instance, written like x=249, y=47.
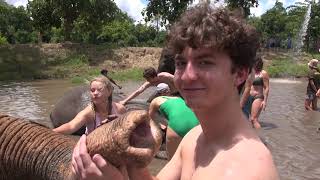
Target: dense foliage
x=279, y=26
x=102, y=22
x=93, y=21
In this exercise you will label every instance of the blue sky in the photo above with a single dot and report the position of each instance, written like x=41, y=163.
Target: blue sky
x=134, y=7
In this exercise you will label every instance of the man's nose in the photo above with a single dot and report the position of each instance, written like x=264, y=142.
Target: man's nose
x=190, y=73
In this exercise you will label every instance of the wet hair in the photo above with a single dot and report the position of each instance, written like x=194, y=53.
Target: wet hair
x=204, y=26
x=107, y=84
x=258, y=64
x=149, y=72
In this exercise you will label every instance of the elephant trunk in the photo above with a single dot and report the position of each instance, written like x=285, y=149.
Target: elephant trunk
x=132, y=139
x=31, y=151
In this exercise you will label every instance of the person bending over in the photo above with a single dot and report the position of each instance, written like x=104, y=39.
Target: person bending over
x=181, y=119
x=152, y=79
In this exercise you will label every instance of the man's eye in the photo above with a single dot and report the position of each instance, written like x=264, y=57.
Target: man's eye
x=205, y=62
x=179, y=63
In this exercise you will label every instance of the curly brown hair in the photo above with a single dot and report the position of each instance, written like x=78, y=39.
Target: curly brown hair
x=258, y=64
x=216, y=28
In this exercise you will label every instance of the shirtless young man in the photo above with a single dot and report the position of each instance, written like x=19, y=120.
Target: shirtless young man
x=152, y=79
x=214, y=51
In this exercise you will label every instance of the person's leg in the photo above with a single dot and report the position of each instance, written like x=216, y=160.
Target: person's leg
x=314, y=103
x=308, y=102
x=173, y=140
x=247, y=107
x=255, y=112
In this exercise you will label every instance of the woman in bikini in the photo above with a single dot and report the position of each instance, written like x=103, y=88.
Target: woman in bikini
x=259, y=92
x=100, y=110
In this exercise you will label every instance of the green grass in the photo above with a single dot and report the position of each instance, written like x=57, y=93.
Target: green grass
x=128, y=74
x=285, y=67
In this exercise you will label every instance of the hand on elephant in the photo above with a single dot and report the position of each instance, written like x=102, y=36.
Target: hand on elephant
x=109, y=119
x=95, y=168
x=123, y=102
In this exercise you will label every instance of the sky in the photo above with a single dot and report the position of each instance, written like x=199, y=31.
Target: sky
x=134, y=7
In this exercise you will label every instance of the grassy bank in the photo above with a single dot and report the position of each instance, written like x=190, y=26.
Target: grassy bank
x=74, y=61
x=287, y=64
x=80, y=62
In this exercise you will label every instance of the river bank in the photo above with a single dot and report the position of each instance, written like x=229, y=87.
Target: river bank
x=80, y=61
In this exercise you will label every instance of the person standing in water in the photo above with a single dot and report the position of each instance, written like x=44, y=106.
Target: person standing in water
x=100, y=110
x=259, y=92
x=313, y=86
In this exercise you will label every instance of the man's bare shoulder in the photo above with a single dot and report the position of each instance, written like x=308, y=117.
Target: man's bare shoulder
x=189, y=141
x=257, y=157
x=246, y=158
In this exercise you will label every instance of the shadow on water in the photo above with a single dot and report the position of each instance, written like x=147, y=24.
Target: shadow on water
x=268, y=125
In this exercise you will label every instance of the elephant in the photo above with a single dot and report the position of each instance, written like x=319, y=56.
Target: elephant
x=166, y=61
x=76, y=99
x=31, y=151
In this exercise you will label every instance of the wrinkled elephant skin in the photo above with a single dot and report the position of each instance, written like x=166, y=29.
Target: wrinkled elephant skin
x=29, y=151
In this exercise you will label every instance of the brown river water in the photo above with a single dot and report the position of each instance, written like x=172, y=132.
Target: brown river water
x=289, y=131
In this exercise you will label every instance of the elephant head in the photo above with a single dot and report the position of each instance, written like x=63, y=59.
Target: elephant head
x=166, y=61
x=30, y=151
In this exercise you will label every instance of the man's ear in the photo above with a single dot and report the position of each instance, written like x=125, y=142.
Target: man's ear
x=241, y=75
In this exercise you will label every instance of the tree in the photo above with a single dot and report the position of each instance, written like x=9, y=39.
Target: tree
x=167, y=11
x=273, y=23
x=314, y=28
x=43, y=16
x=244, y=4
x=48, y=13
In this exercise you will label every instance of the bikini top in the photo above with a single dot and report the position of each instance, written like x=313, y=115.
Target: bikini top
x=258, y=81
x=92, y=125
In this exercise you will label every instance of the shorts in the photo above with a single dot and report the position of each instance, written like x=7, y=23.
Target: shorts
x=247, y=107
x=310, y=96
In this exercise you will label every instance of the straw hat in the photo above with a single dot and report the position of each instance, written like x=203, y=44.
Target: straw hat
x=313, y=64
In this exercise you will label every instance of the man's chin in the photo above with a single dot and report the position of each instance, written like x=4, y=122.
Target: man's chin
x=193, y=104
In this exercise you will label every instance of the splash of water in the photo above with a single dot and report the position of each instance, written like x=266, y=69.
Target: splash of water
x=303, y=30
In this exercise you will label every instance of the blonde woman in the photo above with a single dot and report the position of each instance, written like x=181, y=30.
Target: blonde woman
x=100, y=110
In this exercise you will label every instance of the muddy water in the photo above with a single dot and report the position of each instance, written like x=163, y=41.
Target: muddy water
x=289, y=131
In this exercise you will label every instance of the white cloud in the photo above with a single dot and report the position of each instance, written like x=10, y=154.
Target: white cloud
x=17, y=3
x=132, y=7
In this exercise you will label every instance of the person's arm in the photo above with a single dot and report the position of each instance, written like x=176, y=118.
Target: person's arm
x=153, y=111
x=266, y=86
x=76, y=123
x=246, y=93
x=154, y=106
x=142, y=88
x=121, y=108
